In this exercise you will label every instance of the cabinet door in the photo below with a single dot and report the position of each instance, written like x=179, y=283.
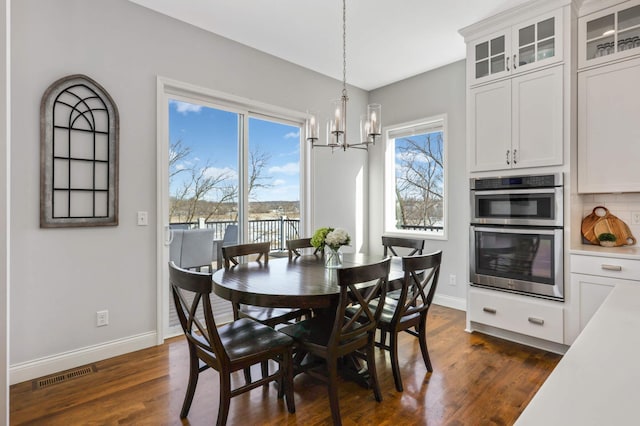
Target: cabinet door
x=613, y=33
x=609, y=128
x=489, y=58
x=490, y=126
x=537, y=42
x=591, y=291
x=537, y=118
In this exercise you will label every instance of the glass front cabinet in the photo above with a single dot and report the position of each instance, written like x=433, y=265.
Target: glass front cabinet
x=533, y=43
x=609, y=34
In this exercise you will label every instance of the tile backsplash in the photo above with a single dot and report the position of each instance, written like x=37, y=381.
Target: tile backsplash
x=620, y=205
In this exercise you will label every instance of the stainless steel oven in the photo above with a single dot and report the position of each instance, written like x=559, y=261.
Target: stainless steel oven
x=516, y=236
x=526, y=260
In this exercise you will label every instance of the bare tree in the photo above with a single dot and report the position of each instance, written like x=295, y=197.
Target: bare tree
x=190, y=198
x=201, y=187
x=419, y=186
x=177, y=153
x=258, y=160
x=203, y=194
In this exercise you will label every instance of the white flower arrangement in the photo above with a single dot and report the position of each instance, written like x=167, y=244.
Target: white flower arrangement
x=336, y=238
x=332, y=237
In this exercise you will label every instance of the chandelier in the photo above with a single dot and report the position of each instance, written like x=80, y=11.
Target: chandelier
x=370, y=124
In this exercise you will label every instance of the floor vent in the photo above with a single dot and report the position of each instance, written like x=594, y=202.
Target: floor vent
x=54, y=379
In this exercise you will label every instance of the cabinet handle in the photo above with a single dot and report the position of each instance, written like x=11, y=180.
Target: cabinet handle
x=489, y=310
x=611, y=267
x=537, y=321
x=515, y=156
x=508, y=158
x=508, y=64
x=514, y=62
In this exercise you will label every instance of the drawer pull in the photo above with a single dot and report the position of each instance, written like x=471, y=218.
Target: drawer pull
x=538, y=321
x=611, y=267
x=489, y=310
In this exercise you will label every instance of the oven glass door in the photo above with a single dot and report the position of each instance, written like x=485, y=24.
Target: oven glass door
x=527, y=260
x=539, y=207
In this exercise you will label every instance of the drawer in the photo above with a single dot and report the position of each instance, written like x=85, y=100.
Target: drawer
x=521, y=314
x=626, y=269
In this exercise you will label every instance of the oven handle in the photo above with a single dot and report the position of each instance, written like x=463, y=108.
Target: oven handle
x=515, y=230
x=551, y=190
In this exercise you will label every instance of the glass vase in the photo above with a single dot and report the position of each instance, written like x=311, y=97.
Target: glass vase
x=332, y=257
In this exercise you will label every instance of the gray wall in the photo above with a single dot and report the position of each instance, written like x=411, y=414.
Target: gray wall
x=435, y=92
x=61, y=277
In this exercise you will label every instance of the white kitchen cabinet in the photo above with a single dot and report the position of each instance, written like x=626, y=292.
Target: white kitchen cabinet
x=610, y=34
x=521, y=314
x=609, y=128
x=592, y=279
x=517, y=122
x=530, y=44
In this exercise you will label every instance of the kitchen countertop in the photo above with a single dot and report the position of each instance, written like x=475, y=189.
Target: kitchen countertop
x=596, y=382
x=622, y=252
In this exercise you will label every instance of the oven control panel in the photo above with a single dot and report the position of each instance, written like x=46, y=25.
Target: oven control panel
x=514, y=182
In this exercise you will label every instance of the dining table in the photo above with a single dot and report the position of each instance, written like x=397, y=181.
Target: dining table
x=302, y=282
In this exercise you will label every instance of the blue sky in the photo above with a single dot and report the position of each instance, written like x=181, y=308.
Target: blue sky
x=212, y=135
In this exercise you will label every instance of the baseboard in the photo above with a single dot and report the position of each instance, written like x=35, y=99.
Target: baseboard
x=458, y=303
x=30, y=370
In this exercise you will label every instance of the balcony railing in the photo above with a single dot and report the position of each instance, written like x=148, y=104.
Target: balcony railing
x=276, y=231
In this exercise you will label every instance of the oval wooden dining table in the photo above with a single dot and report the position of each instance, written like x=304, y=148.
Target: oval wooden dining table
x=303, y=282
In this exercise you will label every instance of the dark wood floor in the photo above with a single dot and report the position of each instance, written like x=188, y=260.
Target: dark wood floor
x=477, y=380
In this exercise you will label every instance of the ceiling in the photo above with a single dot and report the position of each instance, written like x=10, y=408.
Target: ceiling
x=387, y=40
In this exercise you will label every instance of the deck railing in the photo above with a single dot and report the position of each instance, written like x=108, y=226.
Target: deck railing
x=276, y=231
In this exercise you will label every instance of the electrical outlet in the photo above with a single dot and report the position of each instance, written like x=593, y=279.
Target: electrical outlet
x=102, y=318
x=635, y=218
x=143, y=219
x=452, y=279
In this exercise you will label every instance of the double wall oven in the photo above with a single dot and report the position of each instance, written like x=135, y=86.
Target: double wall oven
x=516, y=236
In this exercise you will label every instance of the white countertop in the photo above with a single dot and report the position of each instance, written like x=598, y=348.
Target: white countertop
x=622, y=252
x=597, y=382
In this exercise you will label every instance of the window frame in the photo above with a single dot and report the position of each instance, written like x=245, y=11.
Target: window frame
x=389, y=178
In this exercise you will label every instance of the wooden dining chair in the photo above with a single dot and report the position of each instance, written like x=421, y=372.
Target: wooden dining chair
x=391, y=244
x=294, y=247
x=410, y=310
x=231, y=347
x=267, y=316
x=391, y=248
x=232, y=253
x=271, y=317
x=332, y=337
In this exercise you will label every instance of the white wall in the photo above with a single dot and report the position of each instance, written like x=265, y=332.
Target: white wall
x=5, y=6
x=441, y=91
x=61, y=277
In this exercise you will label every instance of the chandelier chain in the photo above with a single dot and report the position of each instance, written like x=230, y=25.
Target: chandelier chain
x=344, y=48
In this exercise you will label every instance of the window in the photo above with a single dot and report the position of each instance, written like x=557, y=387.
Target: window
x=415, y=178
x=230, y=167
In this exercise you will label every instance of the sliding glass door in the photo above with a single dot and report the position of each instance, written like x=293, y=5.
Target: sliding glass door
x=234, y=172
